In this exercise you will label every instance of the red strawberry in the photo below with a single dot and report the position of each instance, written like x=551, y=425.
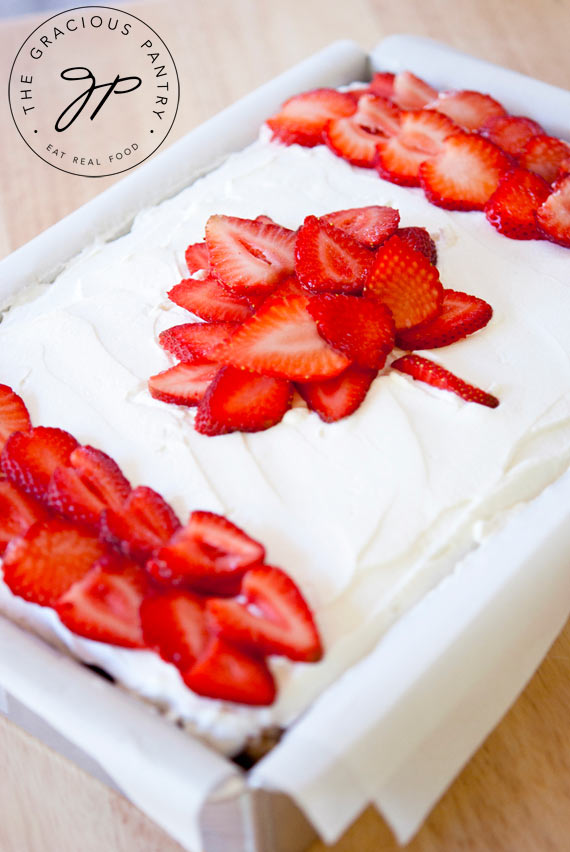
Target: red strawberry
x=432, y=374
x=48, y=558
x=382, y=84
x=209, y=300
x=421, y=135
x=282, y=340
x=104, y=605
x=461, y=315
x=553, y=216
x=303, y=117
x=208, y=554
x=196, y=341
x=369, y=225
x=544, y=155
x=512, y=207
x=406, y=282
x=18, y=512
x=266, y=220
x=330, y=260
x=141, y=525
x=510, y=132
x=174, y=624
x=184, y=384
x=197, y=258
x=355, y=144
x=333, y=399
x=411, y=92
x=360, y=327
x=29, y=458
x=464, y=174
x=272, y=618
x=419, y=239
x=14, y=415
x=240, y=401
x=377, y=114
x=227, y=673
x=468, y=109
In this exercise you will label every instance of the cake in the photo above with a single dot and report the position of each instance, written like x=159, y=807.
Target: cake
x=365, y=514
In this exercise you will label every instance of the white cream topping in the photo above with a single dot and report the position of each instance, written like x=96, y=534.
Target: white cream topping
x=366, y=514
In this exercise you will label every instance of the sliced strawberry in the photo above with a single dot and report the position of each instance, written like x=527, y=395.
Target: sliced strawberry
x=419, y=239
x=48, y=558
x=355, y=144
x=184, y=384
x=272, y=617
x=249, y=257
x=511, y=209
x=461, y=315
x=405, y=280
x=141, y=525
x=421, y=135
x=369, y=225
x=240, y=401
x=197, y=258
x=303, y=117
x=227, y=673
x=510, y=132
x=208, y=554
x=468, y=109
x=174, y=625
x=377, y=114
x=464, y=174
x=330, y=260
x=282, y=340
x=14, y=415
x=209, y=300
x=29, y=458
x=553, y=216
x=360, y=327
x=544, y=155
x=104, y=605
x=18, y=511
x=333, y=399
x=382, y=84
x=432, y=374
x=411, y=92
x=196, y=341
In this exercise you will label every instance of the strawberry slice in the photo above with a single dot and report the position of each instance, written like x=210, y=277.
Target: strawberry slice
x=369, y=225
x=42, y=564
x=240, y=401
x=282, y=340
x=174, y=625
x=141, y=525
x=510, y=132
x=249, y=257
x=432, y=374
x=419, y=239
x=421, y=135
x=405, y=280
x=196, y=341
x=464, y=174
x=511, y=209
x=18, y=512
x=553, y=216
x=228, y=673
x=89, y=483
x=461, y=315
x=333, y=399
x=184, y=384
x=271, y=617
x=377, y=114
x=468, y=109
x=360, y=327
x=197, y=258
x=411, y=92
x=104, y=605
x=208, y=554
x=209, y=300
x=355, y=144
x=303, y=117
x=14, y=415
x=330, y=260
x=382, y=84
x=29, y=458
x=545, y=155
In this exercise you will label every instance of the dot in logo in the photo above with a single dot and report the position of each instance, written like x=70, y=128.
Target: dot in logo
x=87, y=85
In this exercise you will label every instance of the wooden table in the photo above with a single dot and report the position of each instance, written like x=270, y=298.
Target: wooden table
x=514, y=793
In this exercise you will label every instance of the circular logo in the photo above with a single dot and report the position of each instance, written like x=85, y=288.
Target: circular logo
x=94, y=91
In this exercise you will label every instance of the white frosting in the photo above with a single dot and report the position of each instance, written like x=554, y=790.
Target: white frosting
x=366, y=514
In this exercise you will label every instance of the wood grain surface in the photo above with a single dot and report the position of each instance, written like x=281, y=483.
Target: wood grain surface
x=514, y=793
